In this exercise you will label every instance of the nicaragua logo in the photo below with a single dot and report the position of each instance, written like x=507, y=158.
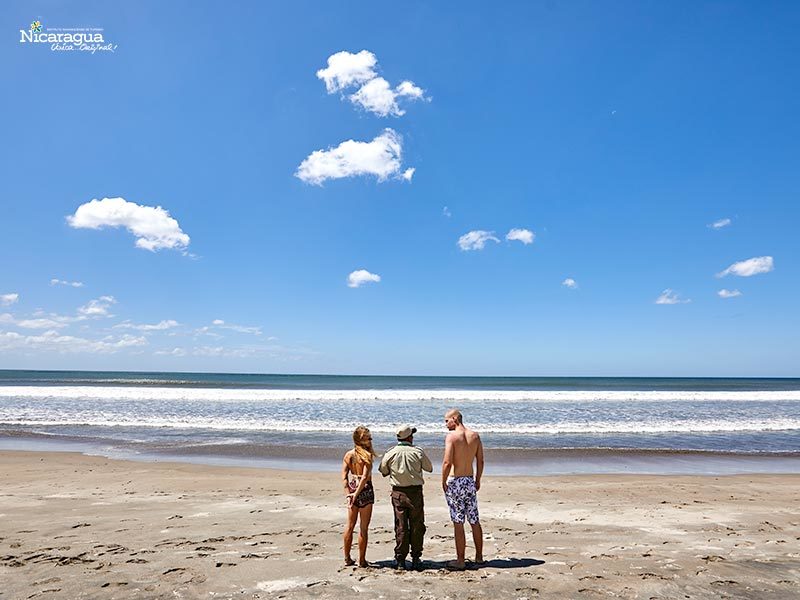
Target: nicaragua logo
x=85, y=39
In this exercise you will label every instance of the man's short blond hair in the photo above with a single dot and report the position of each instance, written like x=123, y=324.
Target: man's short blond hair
x=454, y=412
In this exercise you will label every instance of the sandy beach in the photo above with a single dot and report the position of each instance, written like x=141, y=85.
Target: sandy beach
x=76, y=526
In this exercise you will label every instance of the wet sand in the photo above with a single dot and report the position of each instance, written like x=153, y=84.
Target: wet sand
x=74, y=526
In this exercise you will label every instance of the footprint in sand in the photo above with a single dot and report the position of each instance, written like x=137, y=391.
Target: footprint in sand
x=529, y=590
x=47, y=591
x=111, y=549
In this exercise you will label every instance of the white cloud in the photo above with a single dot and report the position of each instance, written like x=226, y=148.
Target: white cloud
x=729, y=293
x=53, y=341
x=446, y=212
x=375, y=94
x=250, y=350
x=522, y=235
x=378, y=97
x=749, y=267
x=228, y=352
x=719, y=224
x=75, y=284
x=360, y=277
x=476, y=240
x=346, y=69
x=206, y=330
x=408, y=89
x=38, y=323
x=153, y=226
x=570, y=283
x=244, y=329
x=209, y=351
x=382, y=157
x=173, y=352
x=8, y=299
x=160, y=326
x=669, y=296
x=408, y=173
x=238, y=328
x=98, y=307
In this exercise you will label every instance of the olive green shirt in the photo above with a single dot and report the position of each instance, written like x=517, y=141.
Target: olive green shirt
x=404, y=465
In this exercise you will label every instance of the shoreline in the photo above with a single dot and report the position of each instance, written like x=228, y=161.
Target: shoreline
x=90, y=527
x=500, y=462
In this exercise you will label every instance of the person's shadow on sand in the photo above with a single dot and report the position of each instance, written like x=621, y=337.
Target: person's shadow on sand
x=441, y=565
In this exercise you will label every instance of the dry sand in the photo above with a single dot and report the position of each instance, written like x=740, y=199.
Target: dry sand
x=73, y=526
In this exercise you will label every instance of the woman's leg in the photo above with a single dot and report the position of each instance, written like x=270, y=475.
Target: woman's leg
x=365, y=515
x=352, y=516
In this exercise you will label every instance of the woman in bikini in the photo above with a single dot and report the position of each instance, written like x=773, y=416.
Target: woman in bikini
x=357, y=478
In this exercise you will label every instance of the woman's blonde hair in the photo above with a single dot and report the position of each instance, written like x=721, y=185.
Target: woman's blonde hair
x=362, y=445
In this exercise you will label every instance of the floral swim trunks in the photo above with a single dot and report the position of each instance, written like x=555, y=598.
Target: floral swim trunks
x=462, y=500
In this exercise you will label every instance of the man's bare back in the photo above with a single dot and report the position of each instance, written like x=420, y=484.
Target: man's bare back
x=466, y=445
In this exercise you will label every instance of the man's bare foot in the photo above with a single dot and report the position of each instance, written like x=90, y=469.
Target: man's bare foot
x=348, y=562
x=454, y=565
x=363, y=563
x=479, y=560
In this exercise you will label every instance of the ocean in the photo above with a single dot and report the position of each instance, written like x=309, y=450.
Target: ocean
x=528, y=425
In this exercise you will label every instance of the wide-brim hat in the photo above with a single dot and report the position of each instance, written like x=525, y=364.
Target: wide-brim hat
x=405, y=431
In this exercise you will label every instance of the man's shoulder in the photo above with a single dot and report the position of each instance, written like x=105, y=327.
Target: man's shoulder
x=459, y=436
x=452, y=436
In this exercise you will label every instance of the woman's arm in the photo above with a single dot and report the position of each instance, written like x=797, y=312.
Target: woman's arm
x=345, y=473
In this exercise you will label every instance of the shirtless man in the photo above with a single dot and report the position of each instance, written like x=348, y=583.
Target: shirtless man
x=462, y=447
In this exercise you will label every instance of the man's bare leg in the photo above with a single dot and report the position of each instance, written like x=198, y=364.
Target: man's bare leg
x=477, y=538
x=461, y=546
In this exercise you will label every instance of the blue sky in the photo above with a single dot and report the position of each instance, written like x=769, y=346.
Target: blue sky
x=616, y=134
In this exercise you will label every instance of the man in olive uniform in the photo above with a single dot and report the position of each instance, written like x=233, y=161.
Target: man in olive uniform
x=404, y=464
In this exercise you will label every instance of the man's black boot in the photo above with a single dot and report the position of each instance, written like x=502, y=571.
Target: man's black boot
x=416, y=564
x=400, y=564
